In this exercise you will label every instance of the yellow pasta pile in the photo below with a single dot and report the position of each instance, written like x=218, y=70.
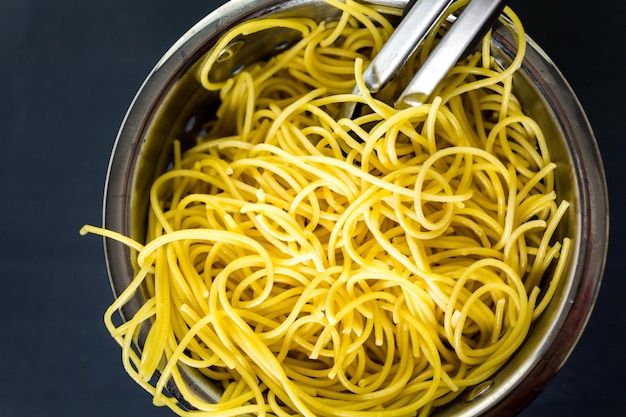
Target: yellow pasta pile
x=369, y=267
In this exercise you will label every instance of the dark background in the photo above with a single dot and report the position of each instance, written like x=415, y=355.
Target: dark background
x=68, y=71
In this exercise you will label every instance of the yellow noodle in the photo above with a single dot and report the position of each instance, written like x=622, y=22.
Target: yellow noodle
x=357, y=267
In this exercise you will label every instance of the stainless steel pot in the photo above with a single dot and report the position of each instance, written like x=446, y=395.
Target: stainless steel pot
x=171, y=104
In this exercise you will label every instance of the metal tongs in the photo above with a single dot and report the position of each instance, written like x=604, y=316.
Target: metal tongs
x=420, y=18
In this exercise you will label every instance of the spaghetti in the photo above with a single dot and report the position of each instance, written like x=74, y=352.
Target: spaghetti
x=321, y=267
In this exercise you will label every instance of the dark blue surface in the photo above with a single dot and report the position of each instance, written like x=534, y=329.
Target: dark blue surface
x=69, y=70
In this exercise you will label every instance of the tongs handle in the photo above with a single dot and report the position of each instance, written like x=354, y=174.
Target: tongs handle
x=473, y=22
x=416, y=23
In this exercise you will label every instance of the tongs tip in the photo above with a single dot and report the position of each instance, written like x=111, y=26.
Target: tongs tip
x=411, y=100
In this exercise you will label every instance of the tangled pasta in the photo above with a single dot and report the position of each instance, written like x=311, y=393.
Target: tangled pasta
x=321, y=267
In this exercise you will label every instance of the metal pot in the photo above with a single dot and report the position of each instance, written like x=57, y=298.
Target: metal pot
x=172, y=104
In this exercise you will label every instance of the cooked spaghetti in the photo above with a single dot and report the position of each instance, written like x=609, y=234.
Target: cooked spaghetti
x=321, y=267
